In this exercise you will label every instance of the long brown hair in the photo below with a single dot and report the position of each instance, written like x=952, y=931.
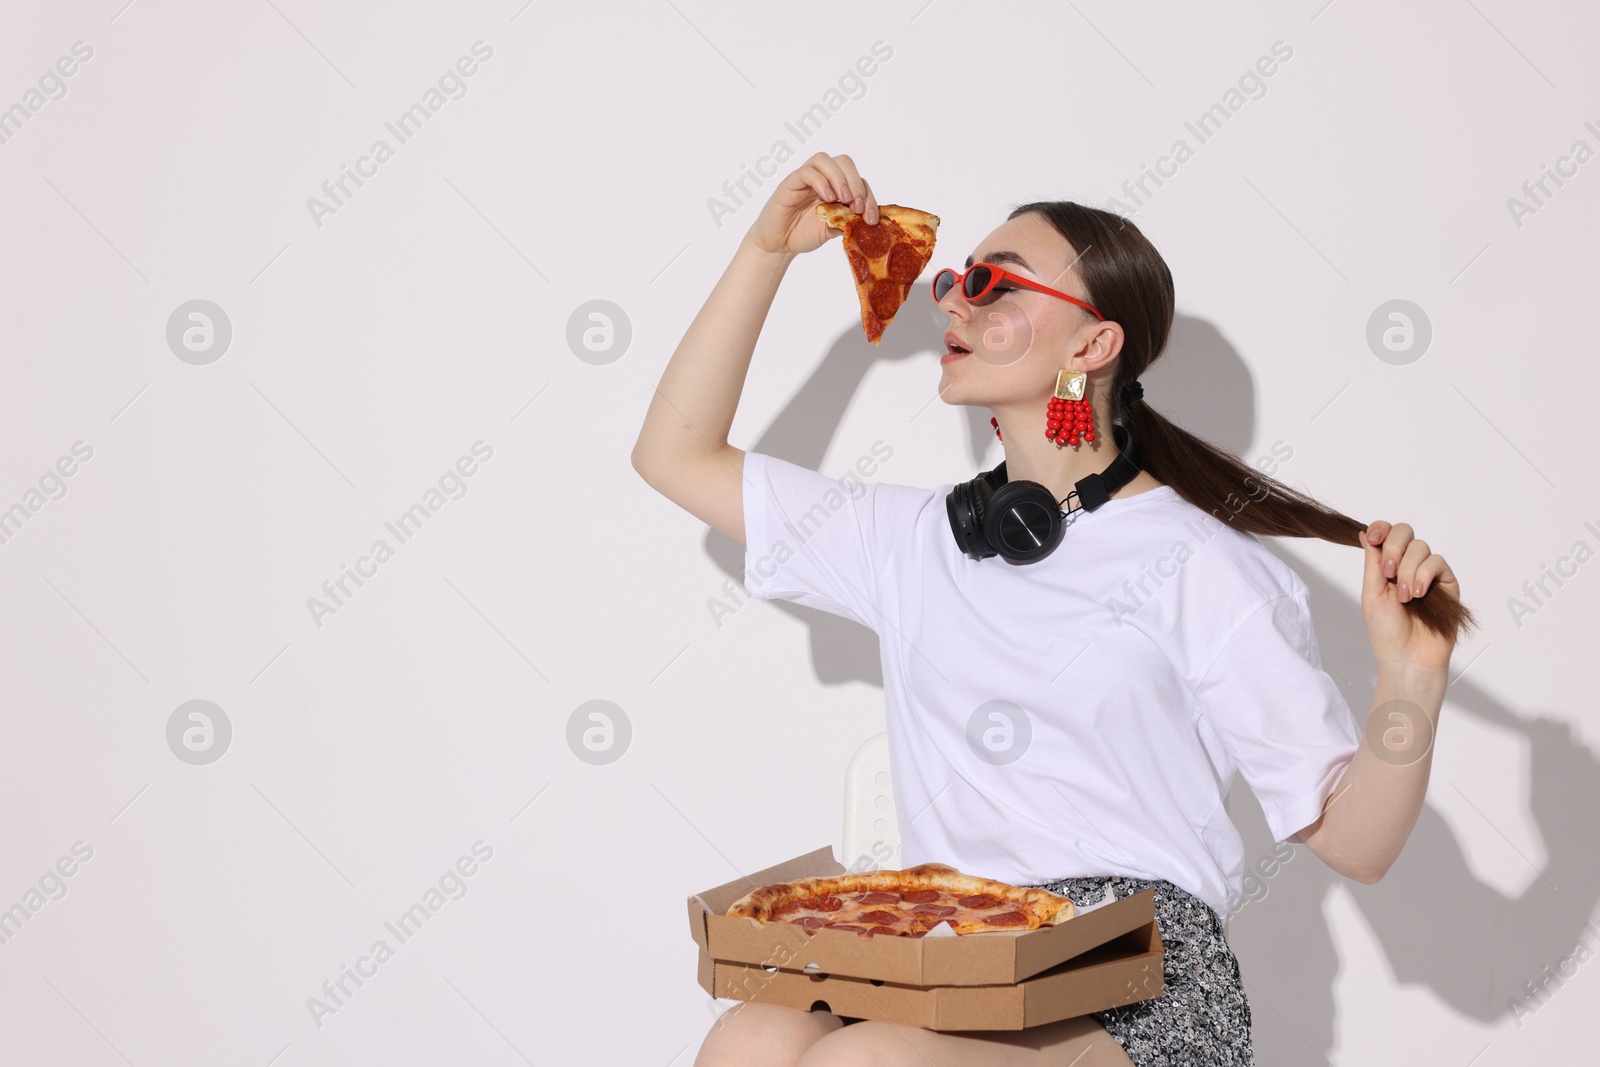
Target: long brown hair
x=1129, y=282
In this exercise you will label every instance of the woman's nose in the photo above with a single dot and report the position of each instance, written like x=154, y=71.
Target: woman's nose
x=955, y=303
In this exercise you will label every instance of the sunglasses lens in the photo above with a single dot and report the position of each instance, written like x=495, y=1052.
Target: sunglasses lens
x=942, y=283
x=977, y=281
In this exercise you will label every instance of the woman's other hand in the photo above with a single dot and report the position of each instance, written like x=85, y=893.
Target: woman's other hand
x=1398, y=568
x=788, y=223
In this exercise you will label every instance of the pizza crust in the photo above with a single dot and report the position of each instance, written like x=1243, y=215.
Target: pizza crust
x=919, y=224
x=1042, y=907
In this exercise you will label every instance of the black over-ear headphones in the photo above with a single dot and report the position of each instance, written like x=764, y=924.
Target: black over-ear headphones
x=1021, y=521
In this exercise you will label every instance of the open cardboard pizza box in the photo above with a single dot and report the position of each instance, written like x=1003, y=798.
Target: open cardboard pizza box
x=1102, y=958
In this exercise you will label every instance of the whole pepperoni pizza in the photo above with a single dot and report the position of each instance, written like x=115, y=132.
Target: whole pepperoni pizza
x=885, y=259
x=906, y=903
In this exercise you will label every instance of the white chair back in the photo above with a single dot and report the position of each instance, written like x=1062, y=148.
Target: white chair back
x=871, y=833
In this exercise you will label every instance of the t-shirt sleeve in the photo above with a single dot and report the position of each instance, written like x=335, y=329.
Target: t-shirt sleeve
x=1279, y=714
x=823, y=542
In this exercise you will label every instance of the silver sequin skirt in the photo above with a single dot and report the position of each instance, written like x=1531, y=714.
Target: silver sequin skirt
x=1201, y=1016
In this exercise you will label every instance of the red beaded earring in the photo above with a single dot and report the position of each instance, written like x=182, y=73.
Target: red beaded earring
x=1069, y=415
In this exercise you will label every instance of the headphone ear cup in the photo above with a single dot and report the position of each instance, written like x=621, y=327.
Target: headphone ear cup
x=1022, y=522
x=966, y=506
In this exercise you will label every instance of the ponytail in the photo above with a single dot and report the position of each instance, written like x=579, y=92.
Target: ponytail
x=1129, y=282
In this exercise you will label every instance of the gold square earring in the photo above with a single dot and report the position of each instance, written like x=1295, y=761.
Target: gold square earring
x=1070, y=415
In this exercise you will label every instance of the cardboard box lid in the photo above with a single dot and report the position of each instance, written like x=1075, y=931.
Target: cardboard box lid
x=1125, y=969
x=994, y=958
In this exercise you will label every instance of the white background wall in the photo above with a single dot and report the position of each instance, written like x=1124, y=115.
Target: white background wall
x=374, y=346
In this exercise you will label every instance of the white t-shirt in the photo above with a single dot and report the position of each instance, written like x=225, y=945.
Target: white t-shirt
x=1081, y=715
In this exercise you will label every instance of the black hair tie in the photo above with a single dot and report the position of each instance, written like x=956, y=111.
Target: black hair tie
x=1132, y=391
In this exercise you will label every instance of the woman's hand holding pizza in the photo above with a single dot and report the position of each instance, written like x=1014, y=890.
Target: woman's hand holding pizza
x=788, y=223
x=1398, y=568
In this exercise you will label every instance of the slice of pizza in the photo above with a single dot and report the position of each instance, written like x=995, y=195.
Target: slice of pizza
x=885, y=259
x=906, y=903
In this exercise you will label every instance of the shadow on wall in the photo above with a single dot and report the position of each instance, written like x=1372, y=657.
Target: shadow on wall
x=1440, y=927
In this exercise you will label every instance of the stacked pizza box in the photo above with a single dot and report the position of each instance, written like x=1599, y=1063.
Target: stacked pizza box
x=1102, y=957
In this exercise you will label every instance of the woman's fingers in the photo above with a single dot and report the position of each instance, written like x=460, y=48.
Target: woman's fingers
x=822, y=179
x=846, y=186
x=1431, y=572
x=1392, y=551
x=811, y=175
x=1372, y=579
x=860, y=199
x=1394, y=541
x=1406, y=575
x=788, y=223
x=806, y=178
x=836, y=184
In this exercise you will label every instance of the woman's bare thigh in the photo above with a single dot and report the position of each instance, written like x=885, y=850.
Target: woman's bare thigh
x=767, y=1035
x=1080, y=1042
x=751, y=1034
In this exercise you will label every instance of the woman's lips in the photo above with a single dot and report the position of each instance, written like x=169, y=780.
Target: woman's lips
x=954, y=347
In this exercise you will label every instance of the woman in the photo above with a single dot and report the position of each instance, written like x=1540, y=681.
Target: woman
x=1073, y=719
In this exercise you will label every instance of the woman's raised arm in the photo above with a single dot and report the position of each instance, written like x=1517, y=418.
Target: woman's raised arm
x=683, y=451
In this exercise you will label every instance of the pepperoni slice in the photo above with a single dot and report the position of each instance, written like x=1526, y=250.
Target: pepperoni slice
x=1007, y=918
x=978, y=900
x=873, y=241
x=810, y=922
x=859, y=264
x=936, y=910
x=879, y=917
x=788, y=907
x=921, y=896
x=905, y=263
x=827, y=903
x=846, y=926
x=891, y=931
x=880, y=898
x=886, y=298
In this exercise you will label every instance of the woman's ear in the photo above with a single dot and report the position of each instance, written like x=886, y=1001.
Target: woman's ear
x=1100, y=345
